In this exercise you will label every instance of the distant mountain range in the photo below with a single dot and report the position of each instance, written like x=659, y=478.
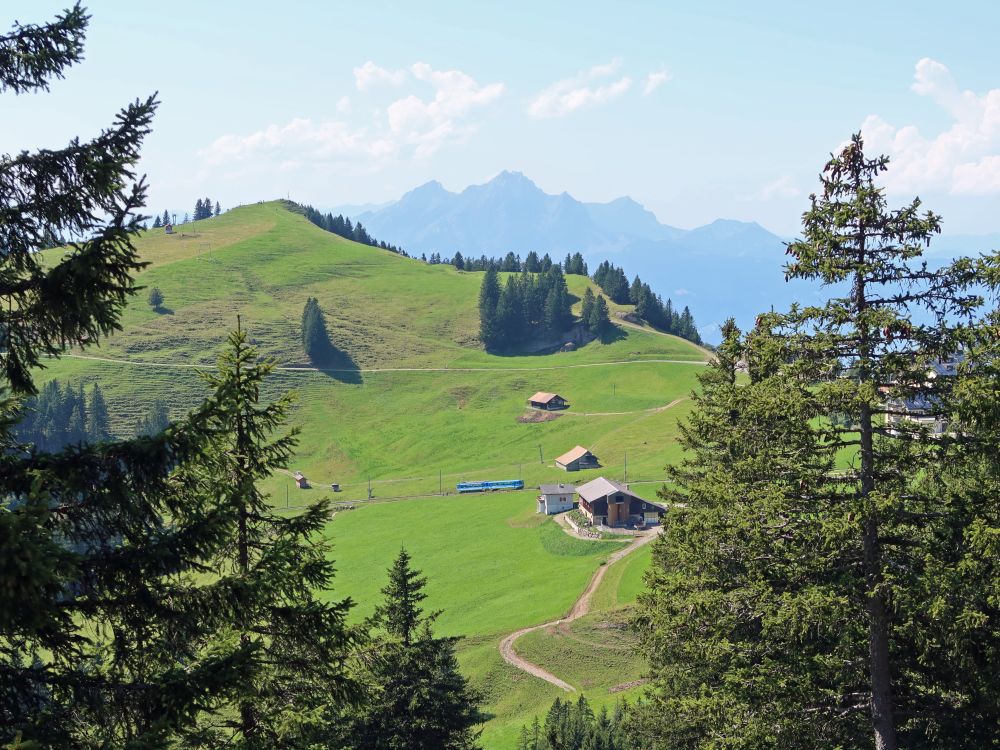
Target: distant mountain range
x=726, y=268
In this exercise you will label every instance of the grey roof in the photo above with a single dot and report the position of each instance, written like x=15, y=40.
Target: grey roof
x=556, y=489
x=595, y=489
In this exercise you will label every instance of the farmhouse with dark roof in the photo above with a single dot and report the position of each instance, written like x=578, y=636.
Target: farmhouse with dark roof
x=608, y=503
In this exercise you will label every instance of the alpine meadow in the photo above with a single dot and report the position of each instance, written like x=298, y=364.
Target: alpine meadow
x=288, y=462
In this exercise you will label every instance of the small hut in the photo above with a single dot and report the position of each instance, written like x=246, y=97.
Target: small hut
x=576, y=459
x=547, y=401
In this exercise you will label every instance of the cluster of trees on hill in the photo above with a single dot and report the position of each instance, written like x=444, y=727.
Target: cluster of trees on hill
x=574, y=726
x=202, y=210
x=342, y=226
x=112, y=634
x=60, y=415
x=511, y=263
x=648, y=305
x=527, y=305
x=594, y=313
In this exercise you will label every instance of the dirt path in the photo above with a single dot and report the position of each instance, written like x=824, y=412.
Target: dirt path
x=307, y=370
x=654, y=410
x=580, y=608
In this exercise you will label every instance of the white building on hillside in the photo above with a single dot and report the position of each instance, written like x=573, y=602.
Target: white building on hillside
x=555, y=498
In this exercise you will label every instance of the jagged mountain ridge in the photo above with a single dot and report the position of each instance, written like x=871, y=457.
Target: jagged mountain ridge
x=510, y=212
x=725, y=268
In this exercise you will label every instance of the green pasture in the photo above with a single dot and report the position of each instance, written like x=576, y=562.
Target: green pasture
x=413, y=406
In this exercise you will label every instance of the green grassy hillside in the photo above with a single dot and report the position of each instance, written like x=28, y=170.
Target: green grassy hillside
x=415, y=406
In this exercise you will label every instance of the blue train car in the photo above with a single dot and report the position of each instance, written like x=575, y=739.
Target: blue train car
x=507, y=484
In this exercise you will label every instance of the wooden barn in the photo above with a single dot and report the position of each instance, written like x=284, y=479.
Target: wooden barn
x=576, y=459
x=300, y=480
x=547, y=401
x=555, y=498
x=608, y=503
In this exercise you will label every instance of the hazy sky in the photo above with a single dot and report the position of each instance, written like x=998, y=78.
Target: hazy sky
x=697, y=113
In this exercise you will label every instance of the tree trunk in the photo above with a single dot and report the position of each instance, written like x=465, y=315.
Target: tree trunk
x=883, y=719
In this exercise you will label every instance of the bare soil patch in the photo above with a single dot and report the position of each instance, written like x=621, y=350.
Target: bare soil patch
x=535, y=416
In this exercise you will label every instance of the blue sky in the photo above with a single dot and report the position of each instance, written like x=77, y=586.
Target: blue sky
x=697, y=110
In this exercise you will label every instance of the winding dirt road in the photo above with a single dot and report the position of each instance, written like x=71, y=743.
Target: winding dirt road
x=580, y=608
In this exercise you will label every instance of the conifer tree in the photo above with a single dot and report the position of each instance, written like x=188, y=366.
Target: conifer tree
x=635, y=290
x=199, y=210
x=166, y=218
x=587, y=306
x=420, y=700
x=156, y=223
x=94, y=618
x=815, y=595
x=297, y=644
x=489, y=297
x=315, y=337
x=599, y=322
x=155, y=298
x=98, y=430
x=218, y=208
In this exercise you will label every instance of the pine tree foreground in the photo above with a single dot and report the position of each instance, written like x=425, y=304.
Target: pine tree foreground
x=418, y=699
x=296, y=644
x=829, y=573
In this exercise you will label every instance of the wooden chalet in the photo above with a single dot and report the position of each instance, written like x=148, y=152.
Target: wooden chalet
x=555, y=498
x=576, y=459
x=547, y=401
x=608, y=503
x=300, y=480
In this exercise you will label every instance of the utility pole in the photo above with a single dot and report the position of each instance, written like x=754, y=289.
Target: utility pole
x=540, y=459
x=369, y=487
x=626, y=466
x=440, y=483
x=614, y=389
x=286, y=494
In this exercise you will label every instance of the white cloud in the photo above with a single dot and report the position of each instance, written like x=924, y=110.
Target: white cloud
x=681, y=292
x=654, y=80
x=427, y=123
x=370, y=75
x=410, y=125
x=964, y=159
x=570, y=94
x=299, y=138
x=783, y=187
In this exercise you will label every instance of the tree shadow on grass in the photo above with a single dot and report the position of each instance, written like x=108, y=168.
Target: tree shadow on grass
x=336, y=364
x=613, y=334
x=161, y=310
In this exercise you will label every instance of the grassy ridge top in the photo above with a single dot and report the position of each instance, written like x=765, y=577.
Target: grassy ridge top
x=263, y=261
